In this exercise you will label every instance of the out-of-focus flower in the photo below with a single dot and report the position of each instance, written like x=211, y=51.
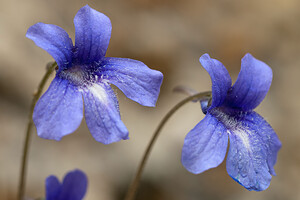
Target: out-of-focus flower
x=253, y=143
x=73, y=187
x=84, y=71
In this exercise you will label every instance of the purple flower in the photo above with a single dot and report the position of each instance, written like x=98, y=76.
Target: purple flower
x=73, y=186
x=253, y=143
x=85, y=75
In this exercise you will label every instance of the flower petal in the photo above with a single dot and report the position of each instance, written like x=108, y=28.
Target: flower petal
x=205, y=145
x=102, y=114
x=252, y=85
x=252, y=152
x=271, y=141
x=92, y=35
x=220, y=78
x=74, y=186
x=53, y=188
x=134, y=78
x=54, y=40
x=59, y=111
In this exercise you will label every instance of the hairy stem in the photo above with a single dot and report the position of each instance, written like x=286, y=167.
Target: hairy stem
x=134, y=185
x=36, y=96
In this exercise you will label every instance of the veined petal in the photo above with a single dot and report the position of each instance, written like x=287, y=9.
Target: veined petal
x=133, y=78
x=53, y=188
x=205, y=145
x=102, y=114
x=59, y=111
x=252, y=85
x=92, y=35
x=252, y=152
x=220, y=78
x=268, y=136
x=74, y=186
x=55, y=41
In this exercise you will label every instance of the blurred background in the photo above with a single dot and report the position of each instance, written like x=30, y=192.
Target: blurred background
x=170, y=36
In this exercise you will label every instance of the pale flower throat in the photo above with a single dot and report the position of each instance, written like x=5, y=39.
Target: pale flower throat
x=81, y=76
x=233, y=124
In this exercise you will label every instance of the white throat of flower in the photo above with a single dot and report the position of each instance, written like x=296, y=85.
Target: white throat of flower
x=234, y=127
x=98, y=92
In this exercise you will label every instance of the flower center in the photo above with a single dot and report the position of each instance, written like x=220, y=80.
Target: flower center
x=78, y=75
x=229, y=117
x=232, y=120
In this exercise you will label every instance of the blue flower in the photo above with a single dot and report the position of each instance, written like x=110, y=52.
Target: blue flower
x=253, y=143
x=73, y=186
x=85, y=75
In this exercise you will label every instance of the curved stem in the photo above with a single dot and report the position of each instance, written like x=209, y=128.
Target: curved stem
x=36, y=96
x=134, y=185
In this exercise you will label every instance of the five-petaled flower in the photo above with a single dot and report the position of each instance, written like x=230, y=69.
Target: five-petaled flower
x=73, y=187
x=253, y=143
x=84, y=71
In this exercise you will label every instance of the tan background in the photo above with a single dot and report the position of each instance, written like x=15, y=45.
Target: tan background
x=170, y=36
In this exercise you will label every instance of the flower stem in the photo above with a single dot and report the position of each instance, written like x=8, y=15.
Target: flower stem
x=36, y=96
x=134, y=185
